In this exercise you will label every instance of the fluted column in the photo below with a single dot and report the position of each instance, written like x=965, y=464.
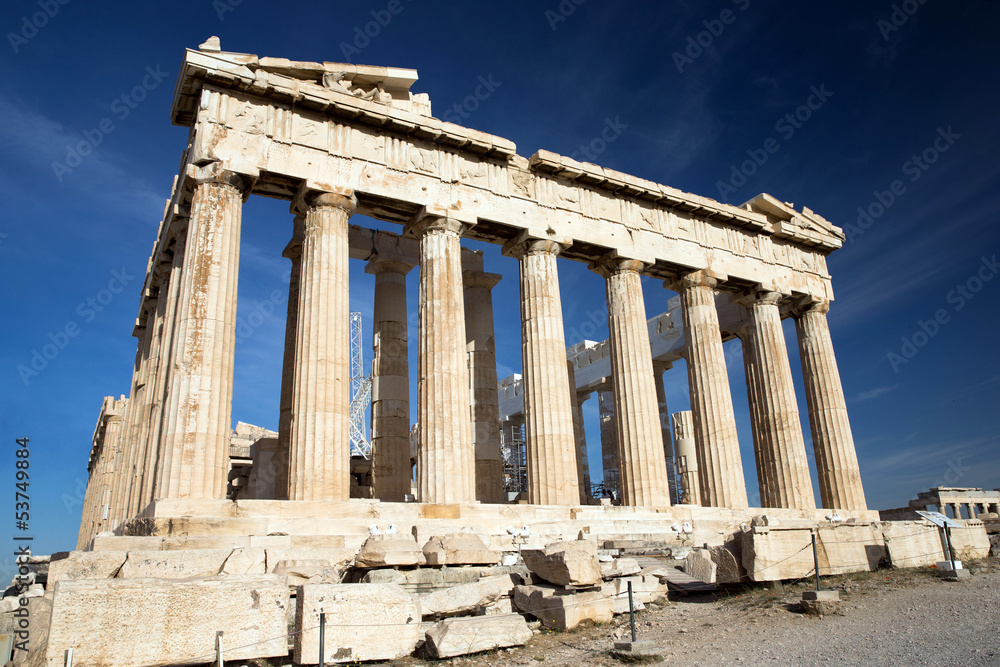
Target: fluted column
x=777, y=431
x=720, y=466
x=114, y=448
x=580, y=433
x=836, y=459
x=319, y=460
x=687, y=457
x=485, y=404
x=390, y=382
x=642, y=468
x=609, y=442
x=130, y=447
x=548, y=410
x=293, y=252
x=446, y=470
x=199, y=411
x=659, y=369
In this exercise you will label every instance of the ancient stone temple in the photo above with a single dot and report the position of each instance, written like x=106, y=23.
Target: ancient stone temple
x=182, y=512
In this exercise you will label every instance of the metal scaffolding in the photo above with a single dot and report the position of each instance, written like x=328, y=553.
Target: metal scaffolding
x=361, y=393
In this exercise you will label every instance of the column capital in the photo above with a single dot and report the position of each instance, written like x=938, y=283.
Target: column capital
x=313, y=195
x=582, y=396
x=759, y=295
x=662, y=366
x=612, y=263
x=530, y=243
x=810, y=304
x=473, y=279
x=700, y=278
x=380, y=264
x=214, y=172
x=435, y=218
x=293, y=250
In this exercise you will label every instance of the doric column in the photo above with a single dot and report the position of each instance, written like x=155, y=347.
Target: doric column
x=836, y=459
x=687, y=457
x=390, y=382
x=113, y=451
x=319, y=458
x=783, y=470
x=642, y=467
x=548, y=409
x=720, y=467
x=121, y=508
x=198, y=417
x=580, y=433
x=154, y=329
x=446, y=470
x=609, y=442
x=479, y=333
x=659, y=369
x=293, y=252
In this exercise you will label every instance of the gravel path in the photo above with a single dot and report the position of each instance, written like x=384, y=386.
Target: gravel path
x=898, y=617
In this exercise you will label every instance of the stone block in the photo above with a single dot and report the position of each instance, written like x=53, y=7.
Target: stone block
x=86, y=565
x=620, y=567
x=570, y=563
x=912, y=543
x=389, y=551
x=461, y=636
x=300, y=572
x=363, y=622
x=501, y=606
x=563, y=611
x=645, y=587
x=820, y=603
x=699, y=565
x=619, y=599
x=173, y=564
x=460, y=600
x=773, y=555
x=332, y=557
x=39, y=615
x=459, y=549
x=971, y=542
x=153, y=621
x=245, y=561
x=728, y=569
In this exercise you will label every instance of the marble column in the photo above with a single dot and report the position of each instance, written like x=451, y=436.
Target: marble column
x=580, y=433
x=114, y=450
x=609, y=442
x=485, y=404
x=720, y=466
x=642, y=468
x=446, y=460
x=390, y=382
x=687, y=457
x=659, y=369
x=970, y=509
x=293, y=252
x=548, y=409
x=319, y=457
x=783, y=469
x=126, y=479
x=198, y=414
x=836, y=459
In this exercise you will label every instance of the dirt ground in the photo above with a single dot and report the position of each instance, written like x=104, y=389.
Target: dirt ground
x=889, y=617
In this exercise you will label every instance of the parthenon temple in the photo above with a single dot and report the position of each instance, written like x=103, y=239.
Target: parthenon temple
x=336, y=140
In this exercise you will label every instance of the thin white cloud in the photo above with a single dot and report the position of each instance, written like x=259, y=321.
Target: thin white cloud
x=873, y=393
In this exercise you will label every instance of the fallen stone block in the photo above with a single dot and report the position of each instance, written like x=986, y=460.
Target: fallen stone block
x=333, y=557
x=728, y=570
x=86, y=565
x=619, y=600
x=570, y=563
x=820, y=603
x=389, y=551
x=501, y=606
x=772, y=554
x=299, y=572
x=645, y=587
x=699, y=565
x=459, y=549
x=620, y=567
x=912, y=543
x=460, y=600
x=461, y=636
x=561, y=610
x=363, y=622
x=39, y=615
x=971, y=542
x=173, y=564
x=131, y=622
x=994, y=545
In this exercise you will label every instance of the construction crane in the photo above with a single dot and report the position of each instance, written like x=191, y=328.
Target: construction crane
x=361, y=393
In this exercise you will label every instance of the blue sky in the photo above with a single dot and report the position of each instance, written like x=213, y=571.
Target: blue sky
x=694, y=90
